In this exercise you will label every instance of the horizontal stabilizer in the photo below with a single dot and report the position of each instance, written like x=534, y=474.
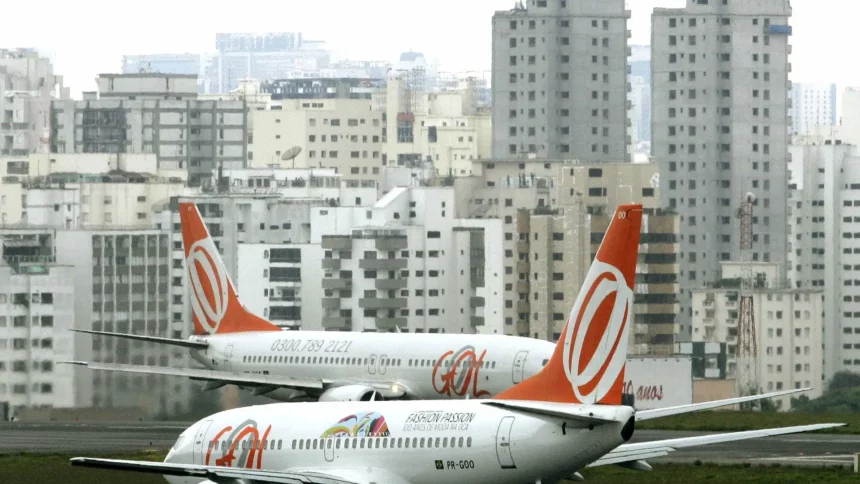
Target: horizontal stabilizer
x=577, y=413
x=696, y=407
x=185, y=343
x=649, y=450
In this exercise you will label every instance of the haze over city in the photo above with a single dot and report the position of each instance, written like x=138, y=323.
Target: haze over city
x=457, y=34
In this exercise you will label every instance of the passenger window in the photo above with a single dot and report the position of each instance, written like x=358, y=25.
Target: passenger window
x=437, y=442
x=315, y=444
x=294, y=444
x=362, y=442
x=337, y=444
x=384, y=443
x=328, y=444
x=407, y=443
x=378, y=442
x=460, y=442
x=301, y=445
x=422, y=442
x=469, y=442
x=414, y=441
x=279, y=444
x=445, y=442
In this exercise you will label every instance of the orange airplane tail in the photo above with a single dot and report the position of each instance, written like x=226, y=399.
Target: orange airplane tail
x=587, y=366
x=215, y=307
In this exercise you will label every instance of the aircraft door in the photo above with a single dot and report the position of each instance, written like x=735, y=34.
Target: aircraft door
x=200, y=444
x=228, y=354
x=371, y=365
x=503, y=443
x=519, y=366
x=383, y=364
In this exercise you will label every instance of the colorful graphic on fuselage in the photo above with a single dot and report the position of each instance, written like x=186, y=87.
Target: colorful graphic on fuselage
x=370, y=424
x=227, y=445
x=461, y=374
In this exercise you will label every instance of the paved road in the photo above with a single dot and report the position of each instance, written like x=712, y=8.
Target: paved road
x=78, y=438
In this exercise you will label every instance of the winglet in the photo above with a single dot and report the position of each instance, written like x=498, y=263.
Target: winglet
x=588, y=364
x=215, y=307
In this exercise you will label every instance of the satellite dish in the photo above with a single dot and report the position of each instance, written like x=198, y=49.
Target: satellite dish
x=291, y=153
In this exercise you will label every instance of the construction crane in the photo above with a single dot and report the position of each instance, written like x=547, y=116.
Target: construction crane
x=747, y=348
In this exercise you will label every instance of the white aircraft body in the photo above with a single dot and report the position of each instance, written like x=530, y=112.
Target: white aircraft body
x=549, y=427
x=240, y=348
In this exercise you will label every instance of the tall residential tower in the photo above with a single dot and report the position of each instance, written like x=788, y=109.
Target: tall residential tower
x=720, y=129
x=560, y=81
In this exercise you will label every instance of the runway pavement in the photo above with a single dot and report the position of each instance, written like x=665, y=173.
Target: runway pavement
x=90, y=438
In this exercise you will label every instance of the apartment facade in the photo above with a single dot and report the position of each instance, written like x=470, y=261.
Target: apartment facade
x=158, y=114
x=36, y=313
x=813, y=105
x=554, y=216
x=789, y=328
x=342, y=134
x=443, y=130
x=720, y=129
x=560, y=81
x=28, y=84
x=824, y=242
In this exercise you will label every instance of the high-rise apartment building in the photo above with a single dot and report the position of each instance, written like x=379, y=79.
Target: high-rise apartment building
x=560, y=81
x=155, y=113
x=812, y=105
x=720, y=129
x=554, y=215
x=824, y=242
x=27, y=87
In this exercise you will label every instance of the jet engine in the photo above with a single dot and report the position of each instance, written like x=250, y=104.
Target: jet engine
x=628, y=429
x=350, y=393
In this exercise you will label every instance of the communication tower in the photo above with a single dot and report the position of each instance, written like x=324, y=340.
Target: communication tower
x=747, y=348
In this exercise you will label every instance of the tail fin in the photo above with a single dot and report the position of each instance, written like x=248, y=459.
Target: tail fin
x=215, y=307
x=588, y=364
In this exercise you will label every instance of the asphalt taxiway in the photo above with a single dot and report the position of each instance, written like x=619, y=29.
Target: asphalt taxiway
x=88, y=438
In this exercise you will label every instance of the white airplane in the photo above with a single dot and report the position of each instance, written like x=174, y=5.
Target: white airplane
x=547, y=428
x=243, y=349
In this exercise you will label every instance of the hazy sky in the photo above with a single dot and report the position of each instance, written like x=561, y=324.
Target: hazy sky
x=84, y=40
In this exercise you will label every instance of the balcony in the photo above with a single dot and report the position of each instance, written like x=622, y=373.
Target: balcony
x=336, y=242
x=523, y=327
x=383, y=264
x=382, y=303
x=337, y=283
x=524, y=307
x=331, y=303
x=390, y=324
x=476, y=321
x=523, y=247
x=288, y=299
x=391, y=243
x=331, y=264
x=477, y=302
x=337, y=322
x=390, y=284
x=523, y=286
x=522, y=266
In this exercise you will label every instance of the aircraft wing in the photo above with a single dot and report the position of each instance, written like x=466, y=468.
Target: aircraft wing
x=225, y=377
x=217, y=474
x=184, y=343
x=659, y=448
x=559, y=410
x=695, y=407
x=263, y=383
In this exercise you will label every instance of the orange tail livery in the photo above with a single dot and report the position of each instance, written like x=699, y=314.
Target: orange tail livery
x=588, y=364
x=215, y=307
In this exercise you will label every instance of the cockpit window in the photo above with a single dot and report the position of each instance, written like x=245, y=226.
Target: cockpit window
x=178, y=442
x=545, y=362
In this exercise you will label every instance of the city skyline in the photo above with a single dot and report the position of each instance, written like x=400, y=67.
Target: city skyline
x=81, y=55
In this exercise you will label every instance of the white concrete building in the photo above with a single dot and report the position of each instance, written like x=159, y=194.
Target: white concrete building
x=824, y=238
x=813, y=107
x=343, y=134
x=27, y=87
x=77, y=191
x=789, y=329
x=37, y=309
x=720, y=104
x=560, y=81
x=408, y=262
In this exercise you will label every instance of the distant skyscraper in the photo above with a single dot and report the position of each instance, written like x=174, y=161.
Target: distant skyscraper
x=720, y=130
x=560, y=81
x=812, y=105
x=640, y=93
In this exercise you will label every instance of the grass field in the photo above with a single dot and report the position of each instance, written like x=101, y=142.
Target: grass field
x=49, y=469
x=736, y=421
